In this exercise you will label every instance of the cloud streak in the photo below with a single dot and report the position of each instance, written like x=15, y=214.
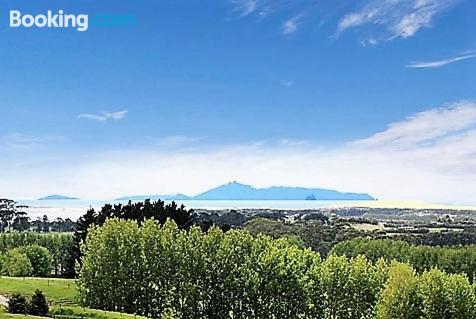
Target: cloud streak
x=104, y=116
x=264, y=8
x=245, y=7
x=401, y=18
x=19, y=140
x=426, y=127
x=291, y=25
x=441, y=63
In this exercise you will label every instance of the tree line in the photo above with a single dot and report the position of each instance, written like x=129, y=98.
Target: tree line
x=156, y=269
x=138, y=212
x=63, y=249
x=14, y=218
x=453, y=260
x=321, y=236
x=453, y=238
x=18, y=251
x=307, y=234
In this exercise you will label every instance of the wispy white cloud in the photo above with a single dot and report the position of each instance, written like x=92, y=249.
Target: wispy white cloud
x=293, y=142
x=104, y=116
x=174, y=140
x=439, y=141
x=398, y=18
x=245, y=7
x=22, y=140
x=264, y=8
x=353, y=20
x=426, y=127
x=441, y=63
x=402, y=18
x=291, y=25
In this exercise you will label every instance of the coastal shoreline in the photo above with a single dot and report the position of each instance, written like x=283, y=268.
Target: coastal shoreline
x=73, y=209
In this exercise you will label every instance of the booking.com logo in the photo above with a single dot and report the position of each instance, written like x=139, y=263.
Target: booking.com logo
x=80, y=22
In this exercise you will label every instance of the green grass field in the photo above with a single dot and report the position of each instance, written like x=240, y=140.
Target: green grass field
x=4, y=315
x=77, y=311
x=62, y=294
x=74, y=312
x=10, y=316
x=367, y=227
x=58, y=291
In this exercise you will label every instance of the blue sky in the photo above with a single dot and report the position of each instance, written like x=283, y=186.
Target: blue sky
x=193, y=83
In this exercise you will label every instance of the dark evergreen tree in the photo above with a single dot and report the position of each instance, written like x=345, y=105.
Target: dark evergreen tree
x=21, y=222
x=45, y=224
x=82, y=225
x=7, y=213
x=38, y=305
x=17, y=304
x=62, y=225
x=139, y=212
x=37, y=225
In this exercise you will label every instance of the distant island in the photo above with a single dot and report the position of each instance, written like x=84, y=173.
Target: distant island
x=238, y=191
x=57, y=197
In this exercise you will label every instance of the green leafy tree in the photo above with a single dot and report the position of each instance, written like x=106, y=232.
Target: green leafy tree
x=111, y=275
x=17, y=264
x=434, y=295
x=60, y=247
x=157, y=269
x=446, y=296
x=399, y=299
x=363, y=286
x=462, y=297
x=168, y=314
x=40, y=259
x=453, y=260
x=281, y=274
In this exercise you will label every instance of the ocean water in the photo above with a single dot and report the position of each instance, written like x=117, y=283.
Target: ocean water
x=73, y=209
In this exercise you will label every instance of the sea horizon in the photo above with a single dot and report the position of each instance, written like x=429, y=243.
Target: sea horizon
x=74, y=208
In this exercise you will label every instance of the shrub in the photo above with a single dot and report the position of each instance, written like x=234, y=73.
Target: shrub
x=38, y=304
x=17, y=304
x=17, y=264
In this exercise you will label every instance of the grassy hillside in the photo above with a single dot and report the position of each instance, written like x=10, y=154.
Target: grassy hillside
x=5, y=315
x=58, y=291
x=77, y=311
x=61, y=292
x=74, y=312
x=10, y=316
